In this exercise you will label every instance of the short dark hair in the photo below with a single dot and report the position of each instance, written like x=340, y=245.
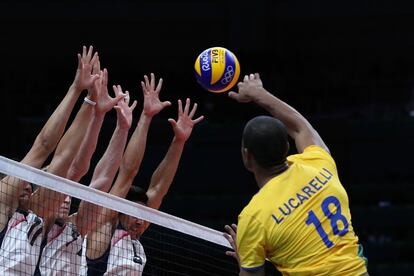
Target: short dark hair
x=266, y=139
x=137, y=194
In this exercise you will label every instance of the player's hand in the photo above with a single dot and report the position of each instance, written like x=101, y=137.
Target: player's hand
x=185, y=123
x=152, y=103
x=123, y=110
x=84, y=77
x=231, y=237
x=104, y=102
x=248, y=89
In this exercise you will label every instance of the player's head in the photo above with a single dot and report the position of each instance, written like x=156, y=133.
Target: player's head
x=133, y=225
x=264, y=143
x=64, y=208
x=26, y=193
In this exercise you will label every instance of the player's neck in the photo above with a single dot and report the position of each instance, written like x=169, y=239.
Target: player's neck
x=263, y=176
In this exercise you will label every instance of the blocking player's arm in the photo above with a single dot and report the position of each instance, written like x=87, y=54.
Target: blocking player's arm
x=47, y=140
x=248, y=241
x=130, y=164
x=104, y=103
x=251, y=90
x=45, y=202
x=104, y=173
x=165, y=172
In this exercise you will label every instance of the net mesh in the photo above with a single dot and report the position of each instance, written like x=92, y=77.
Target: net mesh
x=109, y=242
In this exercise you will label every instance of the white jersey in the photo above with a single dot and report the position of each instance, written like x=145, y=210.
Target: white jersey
x=20, y=248
x=126, y=257
x=62, y=253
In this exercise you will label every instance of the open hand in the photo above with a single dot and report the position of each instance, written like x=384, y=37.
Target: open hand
x=248, y=89
x=84, y=77
x=185, y=123
x=152, y=103
x=123, y=110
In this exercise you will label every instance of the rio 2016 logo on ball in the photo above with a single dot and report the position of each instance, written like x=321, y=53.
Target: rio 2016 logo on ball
x=217, y=69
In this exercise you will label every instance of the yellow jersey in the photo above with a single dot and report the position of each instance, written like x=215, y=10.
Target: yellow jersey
x=300, y=221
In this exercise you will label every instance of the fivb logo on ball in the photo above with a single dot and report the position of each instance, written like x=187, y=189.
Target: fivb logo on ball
x=217, y=69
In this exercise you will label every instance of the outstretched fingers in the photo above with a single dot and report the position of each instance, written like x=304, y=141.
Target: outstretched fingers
x=187, y=106
x=159, y=86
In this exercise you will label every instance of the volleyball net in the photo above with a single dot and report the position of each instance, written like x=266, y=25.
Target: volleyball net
x=39, y=237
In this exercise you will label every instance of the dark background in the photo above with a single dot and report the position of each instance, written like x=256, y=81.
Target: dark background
x=348, y=66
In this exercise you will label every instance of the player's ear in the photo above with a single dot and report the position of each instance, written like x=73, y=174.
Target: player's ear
x=248, y=159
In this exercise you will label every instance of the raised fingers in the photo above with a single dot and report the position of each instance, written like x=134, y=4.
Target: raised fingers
x=147, y=82
x=193, y=110
x=187, y=106
x=199, y=119
x=180, y=107
x=152, y=82
x=127, y=98
x=134, y=104
x=89, y=54
x=158, y=89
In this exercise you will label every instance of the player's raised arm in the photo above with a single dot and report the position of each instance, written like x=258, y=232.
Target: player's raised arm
x=99, y=239
x=45, y=202
x=251, y=90
x=108, y=165
x=135, y=150
x=164, y=174
x=48, y=138
x=104, y=103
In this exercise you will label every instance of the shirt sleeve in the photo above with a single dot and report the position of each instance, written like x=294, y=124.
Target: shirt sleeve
x=315, y=155
x=250, y=243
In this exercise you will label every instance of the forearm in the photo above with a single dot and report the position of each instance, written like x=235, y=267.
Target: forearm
x=103, y=175
x=132, y=158
x=164, y=174
x=69, y=145
x=289, y=116
x=109, y=164
x=135, y=150
x=52, y=131
x=81, y=162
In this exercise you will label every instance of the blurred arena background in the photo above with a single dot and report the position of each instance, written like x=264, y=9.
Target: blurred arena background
x=348, y=66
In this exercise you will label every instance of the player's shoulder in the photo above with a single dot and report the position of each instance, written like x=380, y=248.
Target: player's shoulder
x=312, y=153
x=256, y=206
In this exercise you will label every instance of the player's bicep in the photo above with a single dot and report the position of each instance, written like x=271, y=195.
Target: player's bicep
x=251, y=244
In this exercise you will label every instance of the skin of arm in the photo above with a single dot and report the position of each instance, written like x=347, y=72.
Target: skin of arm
x=99, y=239
x=164, y=174
x=251, y=90
x=45, y=202
x=104, y=173
x=104, y=104
x=46, y=141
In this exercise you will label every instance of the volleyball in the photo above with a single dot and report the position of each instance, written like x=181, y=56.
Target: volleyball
x=217, y=69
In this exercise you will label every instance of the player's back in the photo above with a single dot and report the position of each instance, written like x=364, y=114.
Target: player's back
x=306, y=221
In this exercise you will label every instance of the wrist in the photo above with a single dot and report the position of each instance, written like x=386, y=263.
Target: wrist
x=123, y=126
x=179, y=140
x=87, y=100
x=75, y=88
x=258, y=94
x=145, y=116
